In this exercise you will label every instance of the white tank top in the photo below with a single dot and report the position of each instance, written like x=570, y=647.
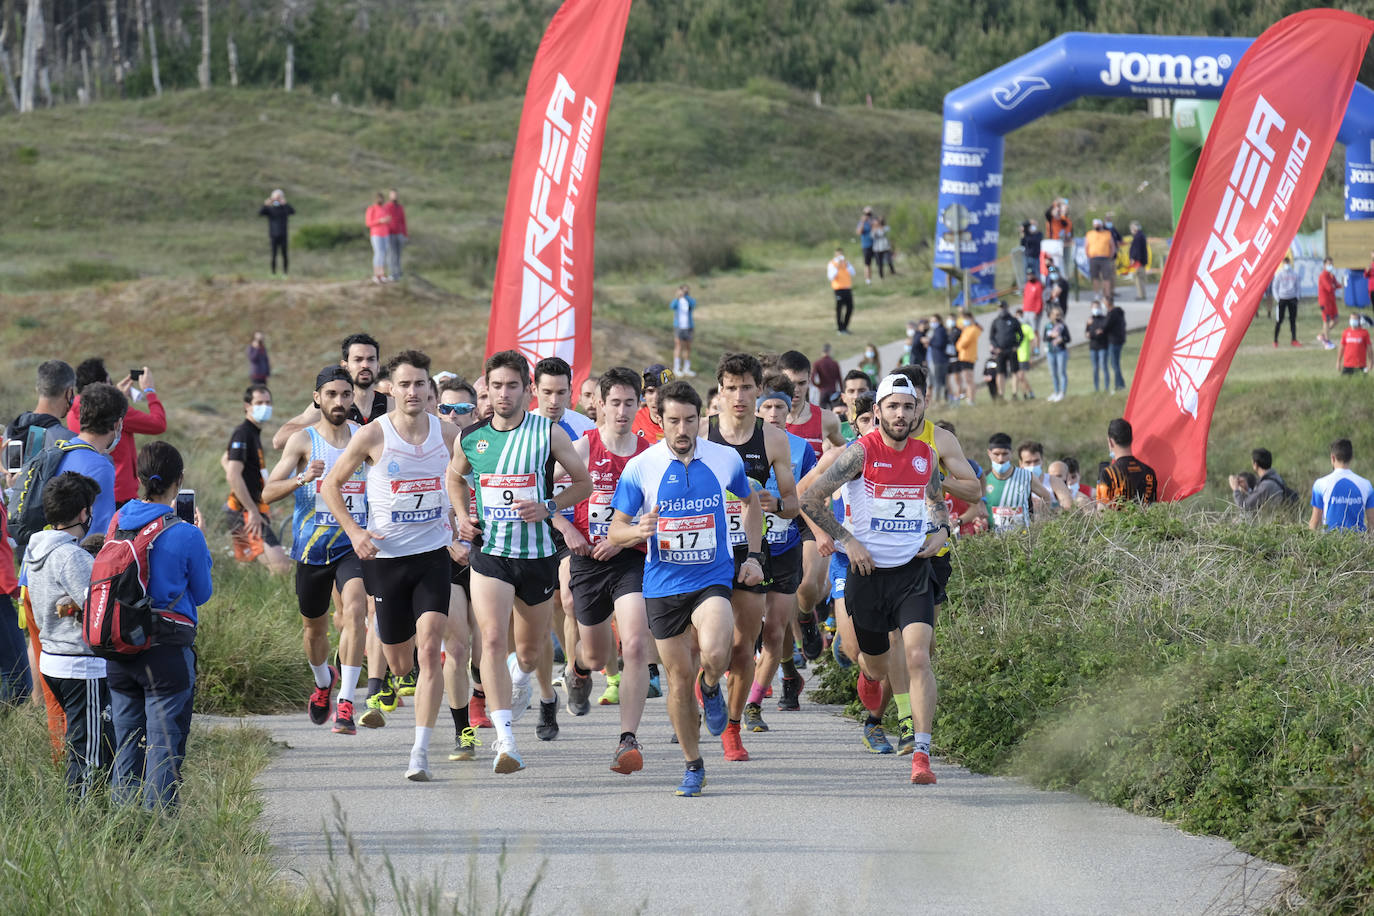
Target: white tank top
x=406, y=499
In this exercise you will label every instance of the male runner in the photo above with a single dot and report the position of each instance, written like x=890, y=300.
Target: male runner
x=648, y=422
x=764, y=450
x=610, y=578
x=325, y=562
x=673, y=496
x=896, y=507
x=855, y=383
x=404, y=548
x=1009, y=488
x=510, y=459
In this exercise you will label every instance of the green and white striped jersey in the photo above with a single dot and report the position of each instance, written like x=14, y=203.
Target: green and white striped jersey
x=508, y=467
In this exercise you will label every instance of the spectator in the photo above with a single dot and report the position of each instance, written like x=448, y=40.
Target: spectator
x=865, y=233
x=1028, y=343
x=58, y=573
x=1096, y=332
x=825, y=375
x=1126, y=477
x=277, y=211
x=100, y=424
x=1327, y=284
x=1356, y=353
x=684, y=323
x=15, y=681
x=871, y=364
x=1116, y=341
x=1056, y=290
x=882, y=248
x=151, y=693
x=936, y=341
x=841, y=274
x=42, y=426
x=1057, y=340
x=1369, y=276
x=1101, y=251
x=397, y=237
x=1342, y=499
x=1110, y=226
x=966, y=348
x=1031, y=237
x=245, y=512
x=1140, y=258
x=914, y=353
x=379, y=229
x=259, y=366
x=1033, y=302
x=1059, y=225
x=1285, y=289
x=1005, y=337
x=153, y=422
x=1265, y=488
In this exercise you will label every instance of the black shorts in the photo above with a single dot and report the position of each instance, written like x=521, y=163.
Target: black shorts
x=671, y=616
x=785, y=572
x=940, y=571
x=890, y=599
x=535, y=580
x=460, y=574
x=315, y=584
x=596, y=585
x=1007, y=363
x=868, y=256
x=742, y=554
x=958, y=365
x=403, y=588
x=1101, y=268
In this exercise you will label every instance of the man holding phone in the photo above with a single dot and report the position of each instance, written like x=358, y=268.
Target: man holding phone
x=136, y=386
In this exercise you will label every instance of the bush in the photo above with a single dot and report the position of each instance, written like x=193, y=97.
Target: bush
x=76, y=273
x=324, y=236
x=704, y=252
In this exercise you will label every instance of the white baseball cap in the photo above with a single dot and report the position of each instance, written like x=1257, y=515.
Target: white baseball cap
x=895, y=384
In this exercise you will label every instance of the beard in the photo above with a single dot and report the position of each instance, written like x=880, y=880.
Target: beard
x=894, y=434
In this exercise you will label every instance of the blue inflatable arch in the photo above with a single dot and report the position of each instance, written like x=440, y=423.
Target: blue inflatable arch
x=978, y=115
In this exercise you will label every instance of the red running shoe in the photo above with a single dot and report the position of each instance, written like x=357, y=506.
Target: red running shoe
x=921, y=773
x=318, y=704
x=732, y=744
x=477, y=711
x=870, y=693
x=343, y=719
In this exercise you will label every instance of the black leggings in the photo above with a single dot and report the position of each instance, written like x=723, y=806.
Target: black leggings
x=844, y=308
x=280, y=243
x=1291, y=307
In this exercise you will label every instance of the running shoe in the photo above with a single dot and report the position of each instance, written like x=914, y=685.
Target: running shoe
x=693, y=781
x=629, y=757
x=579, y=694
x=713, y=706
x=419, y=765
x=811, y=643
x=791, y=694
x=870, y=693
x=465, y=748
x=875, y=739
x=387, y=698
x=837, y=653
x=520, y=690
x=830, y=623
x=477, y=711
x=405, y=684
x=507, y=758
x=343, y=719
x=318, y=704
x=373, y=718
x=655, y=685
x=921, y=774
x=906, y=737
x=733, y=744
x=547, y=729
x=753, y=718
x=798, y=658
x=559, y=656
x=561, y=678
x=611, y=696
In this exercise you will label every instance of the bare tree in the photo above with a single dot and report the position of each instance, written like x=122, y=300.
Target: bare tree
x=28, y=66
x=85, y=92
x=290, y=66
x=6, y=67
x=204, y=70
x=139, y=27
x=233, y=63
x=114, y=46
x=152, y=47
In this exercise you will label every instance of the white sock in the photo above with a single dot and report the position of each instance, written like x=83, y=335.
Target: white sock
x=322, y=676
x=422, y=738
x=501, y=719
x=677, y=366
x=348, y=682
x=922, y=742
x=687, y=366
x=520, y=675
x=551, y=698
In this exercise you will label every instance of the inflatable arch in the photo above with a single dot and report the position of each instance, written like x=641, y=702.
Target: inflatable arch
x=978, y=115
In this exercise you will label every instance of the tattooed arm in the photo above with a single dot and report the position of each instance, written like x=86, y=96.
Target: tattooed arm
x=816, y=506
x=938, y=512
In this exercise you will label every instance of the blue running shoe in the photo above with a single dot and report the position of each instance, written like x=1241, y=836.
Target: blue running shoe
x=875, y=739
x=713, y=707
x=837, y=653
x=693, y=781
x=655, y=687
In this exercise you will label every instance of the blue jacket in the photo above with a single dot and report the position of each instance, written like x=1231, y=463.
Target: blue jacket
x=179, y=562
x=101, y=469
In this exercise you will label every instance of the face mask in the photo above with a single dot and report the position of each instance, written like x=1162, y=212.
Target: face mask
x=1036, y=469
x=261, y=413
x=1354, y=322
x=1097, y=313
x=116, y=440
x=869, y=353
x=910, y=332
x=1109, y=224
x=1330, y=269
x=1111, y=453
x=1001, y=467
x=950, y=324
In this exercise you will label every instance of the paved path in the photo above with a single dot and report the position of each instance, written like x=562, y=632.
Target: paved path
x=812, y=824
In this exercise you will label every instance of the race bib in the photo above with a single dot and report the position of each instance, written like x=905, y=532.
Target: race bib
x=417, y=500
x=559, y=486
x=599, y=514
x=1007, y=517
x=775, y=528
x=355, y=498
x=900, y=509
x=734, y=521
x=688, y=539
x=500, y=493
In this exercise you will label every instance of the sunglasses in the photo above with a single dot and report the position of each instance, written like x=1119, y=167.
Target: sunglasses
x=460, y=409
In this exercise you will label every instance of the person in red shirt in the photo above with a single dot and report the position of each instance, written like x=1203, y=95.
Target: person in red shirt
x=648, y=421
x=15, y=682
x=379, y=228
x=1327, y=284
x=152, y=423
x=1356, y=353
x=825, y=375
x=1033, y=304
x=398, y=236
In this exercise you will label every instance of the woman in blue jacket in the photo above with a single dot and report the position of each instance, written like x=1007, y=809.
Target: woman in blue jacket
x=151, y=693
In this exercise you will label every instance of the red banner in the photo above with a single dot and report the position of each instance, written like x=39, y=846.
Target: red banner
x=541, y=301
x=1263, y=159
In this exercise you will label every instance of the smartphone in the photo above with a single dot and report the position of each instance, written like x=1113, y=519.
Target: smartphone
x=14, y=455
x=135, y=374
x=186, y=505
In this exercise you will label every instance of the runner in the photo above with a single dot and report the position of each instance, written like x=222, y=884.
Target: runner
x=673, y=496
x=510, y=458
x=764, y=450
x=648, y=422
x=785, y=553
x=1009, y=489
x=896, y=507
x=404, y=547
x=326, y=566
x=610, y=579
x=855, y=383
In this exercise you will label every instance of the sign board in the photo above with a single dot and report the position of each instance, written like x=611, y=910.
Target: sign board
x=1349, y=243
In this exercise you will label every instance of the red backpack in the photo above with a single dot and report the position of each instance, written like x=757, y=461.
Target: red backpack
x=119, y=616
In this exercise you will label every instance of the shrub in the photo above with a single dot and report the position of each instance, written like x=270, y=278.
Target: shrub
x=324, y=236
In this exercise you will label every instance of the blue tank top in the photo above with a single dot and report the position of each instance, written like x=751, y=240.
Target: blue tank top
x=316, y=538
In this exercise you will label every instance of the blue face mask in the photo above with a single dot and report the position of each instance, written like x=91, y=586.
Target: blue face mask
x=1001, y=467
x=1036, y=469
x=262, y=413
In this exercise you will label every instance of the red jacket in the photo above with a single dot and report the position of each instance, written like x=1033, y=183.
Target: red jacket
x=376, y=222
x=397, y=226
x=1326, y=289
x=125, y=454
x=9, y=582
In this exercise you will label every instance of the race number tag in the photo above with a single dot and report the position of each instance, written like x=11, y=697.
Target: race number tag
x=500, y=493
x=687, y=539
x=1004, y=518
x=418, y=500
x=776, y=528
x=355, y=498
x=559, y=486
x=734, y=520
x=899, y=509
x=599, y=514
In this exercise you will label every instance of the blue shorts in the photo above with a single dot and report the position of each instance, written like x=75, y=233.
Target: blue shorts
x=839, y=571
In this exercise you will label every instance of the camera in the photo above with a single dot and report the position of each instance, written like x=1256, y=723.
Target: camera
x=186, y=506
x=135, y=374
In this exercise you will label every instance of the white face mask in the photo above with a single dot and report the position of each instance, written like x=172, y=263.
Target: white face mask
x=869, y=353
x=1097, y=313
x=1354, y=322
x=949, y=323
x=261, y=413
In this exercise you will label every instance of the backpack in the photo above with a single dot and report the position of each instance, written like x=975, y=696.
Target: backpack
x=119, y=617
x=26, y=507
x=1006, y=332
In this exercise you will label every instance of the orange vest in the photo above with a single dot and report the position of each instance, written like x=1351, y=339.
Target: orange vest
x=842, y=278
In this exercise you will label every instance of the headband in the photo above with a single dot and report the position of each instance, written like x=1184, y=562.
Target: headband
x=771, y=395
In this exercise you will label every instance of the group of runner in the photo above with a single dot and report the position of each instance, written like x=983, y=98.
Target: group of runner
x=456, y=527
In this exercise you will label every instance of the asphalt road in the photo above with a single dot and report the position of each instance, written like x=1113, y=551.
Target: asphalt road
x=813, y=823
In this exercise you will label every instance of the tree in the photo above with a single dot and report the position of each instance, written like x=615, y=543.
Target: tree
x=204, y=71
x=152, y=46
x=28, y=68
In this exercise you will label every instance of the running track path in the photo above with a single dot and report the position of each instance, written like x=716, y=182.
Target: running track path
x=813, y=824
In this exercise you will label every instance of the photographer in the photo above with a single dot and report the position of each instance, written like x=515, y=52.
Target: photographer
x=277, y=211
x=1031, y=237
x=1263, y=487
x=136, y=386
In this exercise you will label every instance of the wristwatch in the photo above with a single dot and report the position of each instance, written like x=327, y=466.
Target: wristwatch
x=756, y=556
x=300, y=480
x=551, y=506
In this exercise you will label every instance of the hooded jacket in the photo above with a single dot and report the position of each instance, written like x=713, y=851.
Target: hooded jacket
x=178, y=564
x=56, y=566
